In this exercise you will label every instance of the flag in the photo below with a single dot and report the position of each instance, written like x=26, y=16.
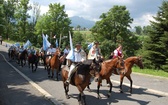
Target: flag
x=46, y=36
x=70, y=55
x=27, y=44
x=90, y=45
x=46, y=43
x=17, y=44
x=56, y=43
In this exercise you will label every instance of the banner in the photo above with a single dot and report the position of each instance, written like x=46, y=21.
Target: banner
x=46, y=43
x=27, y=44
x=70, y=55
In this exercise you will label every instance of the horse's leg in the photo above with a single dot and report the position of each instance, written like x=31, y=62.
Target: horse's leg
x=57, y=72
x=81, y=97
x=48, y=70
x=21, y=62
x=32, y=66
x=98, y=87
x=89, y=88
x=129, y=78
x=109, y=93
x=52, y=70
x=66, y=88
x=36, y=63
x=121, y=81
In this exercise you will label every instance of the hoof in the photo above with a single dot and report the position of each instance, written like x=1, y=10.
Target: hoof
x=67, y=97
x=98, y=97
x=121, y=91
x=108, y=95
x=89, y=90
x=130, y=91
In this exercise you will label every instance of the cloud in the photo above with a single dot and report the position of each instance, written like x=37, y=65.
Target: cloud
x=140, y=10
x=143, y=20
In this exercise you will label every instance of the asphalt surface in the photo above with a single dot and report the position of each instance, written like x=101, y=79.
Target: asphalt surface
x=36, y=90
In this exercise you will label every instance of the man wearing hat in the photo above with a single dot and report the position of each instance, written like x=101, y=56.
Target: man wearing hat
x=95, y=52
x=80, y=56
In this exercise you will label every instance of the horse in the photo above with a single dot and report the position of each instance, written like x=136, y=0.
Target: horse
x=81, y=78
x=33, y=60
x=107, y=68
x=22, y=57
x=53, y=63
x=12, y=52
x=129, y=62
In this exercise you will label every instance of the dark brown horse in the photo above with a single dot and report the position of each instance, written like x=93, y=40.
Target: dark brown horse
x=129, y=62
x=107, y=68
x=33, y=60
x=22, y=57
x=81, y=78
x=12, y=52
x=53, y=63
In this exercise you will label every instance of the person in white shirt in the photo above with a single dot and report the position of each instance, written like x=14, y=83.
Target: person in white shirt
x=95, y=52
x=51, y=51
x=66, y=52
x=80, y=56
x=21, y=49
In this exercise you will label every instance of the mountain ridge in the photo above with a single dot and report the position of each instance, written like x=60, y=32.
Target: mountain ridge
x=83, y=23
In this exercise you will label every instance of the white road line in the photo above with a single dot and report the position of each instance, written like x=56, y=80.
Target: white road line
x=146, y=89
x=41, y=90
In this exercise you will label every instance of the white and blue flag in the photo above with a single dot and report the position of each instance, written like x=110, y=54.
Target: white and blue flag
x=27, y=44
x=56, y=43
x=70, y=55
x=46, y=43
x=90, y=45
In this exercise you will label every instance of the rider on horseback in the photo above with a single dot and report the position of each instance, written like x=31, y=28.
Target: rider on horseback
x=80, y=56
x=95, y=52
x=51, y=51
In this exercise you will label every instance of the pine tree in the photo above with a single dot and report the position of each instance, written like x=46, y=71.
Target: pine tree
x=155, y=47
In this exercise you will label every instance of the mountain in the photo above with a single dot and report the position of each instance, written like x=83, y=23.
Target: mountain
x=76, y=20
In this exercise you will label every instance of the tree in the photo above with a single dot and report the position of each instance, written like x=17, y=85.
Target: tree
x=138, y=30
x=114, y=26
x=9, y=10
x=1, y=18
x=21, y=17
x=55, y=22
x=155, y=47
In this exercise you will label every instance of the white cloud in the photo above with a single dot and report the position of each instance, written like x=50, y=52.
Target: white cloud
x=144, y=20
x=140, y=10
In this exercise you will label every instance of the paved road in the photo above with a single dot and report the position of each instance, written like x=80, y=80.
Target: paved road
x=148, y=90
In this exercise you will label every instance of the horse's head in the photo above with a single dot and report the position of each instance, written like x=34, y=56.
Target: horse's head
x=58, y=52
x=95, y=68
x=138, y=62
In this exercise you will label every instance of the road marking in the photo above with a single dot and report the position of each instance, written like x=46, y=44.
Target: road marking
x=146, y=89
x=41, y=90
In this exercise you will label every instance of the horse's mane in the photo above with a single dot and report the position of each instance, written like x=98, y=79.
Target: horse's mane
x=84, y=66
x=131, y=58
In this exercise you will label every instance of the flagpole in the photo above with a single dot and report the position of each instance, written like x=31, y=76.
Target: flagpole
x=60, y=41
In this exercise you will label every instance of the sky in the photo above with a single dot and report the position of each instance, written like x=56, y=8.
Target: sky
x=140, y=10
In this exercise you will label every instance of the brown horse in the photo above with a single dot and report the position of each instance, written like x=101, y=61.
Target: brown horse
x=33, y=60
x=107, y=67
x=22, y=57
x=81, y=78
x=53, y=63
x=129, y=62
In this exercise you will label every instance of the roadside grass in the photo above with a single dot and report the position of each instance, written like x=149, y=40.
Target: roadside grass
x=159, y=73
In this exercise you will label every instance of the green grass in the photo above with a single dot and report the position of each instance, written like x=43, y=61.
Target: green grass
x=159, y=73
